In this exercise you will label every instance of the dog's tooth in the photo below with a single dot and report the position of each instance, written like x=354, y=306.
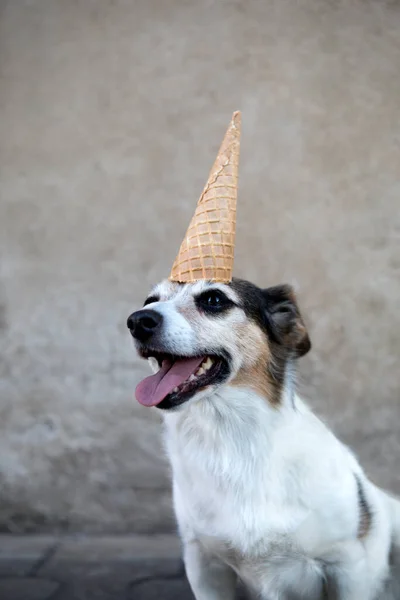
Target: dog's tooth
x=207, y=363
x=154, y=366
x=175, y=389
x=192, y=377
x=200, y=371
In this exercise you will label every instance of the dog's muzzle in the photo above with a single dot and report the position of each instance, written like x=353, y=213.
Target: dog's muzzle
x=143, y=324
x=180, y=376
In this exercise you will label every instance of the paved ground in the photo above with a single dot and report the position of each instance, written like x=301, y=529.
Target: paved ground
x=95, y=568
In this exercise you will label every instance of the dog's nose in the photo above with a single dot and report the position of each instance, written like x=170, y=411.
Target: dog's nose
x=143, y=323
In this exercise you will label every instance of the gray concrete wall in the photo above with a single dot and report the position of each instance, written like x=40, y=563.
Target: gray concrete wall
x=111, y=115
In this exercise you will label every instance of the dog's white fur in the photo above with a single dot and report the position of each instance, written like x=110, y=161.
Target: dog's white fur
x=263, y=492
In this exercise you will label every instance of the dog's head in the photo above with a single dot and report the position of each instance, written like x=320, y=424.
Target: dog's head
x=202, y=335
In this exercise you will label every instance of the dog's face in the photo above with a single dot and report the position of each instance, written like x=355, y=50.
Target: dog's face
x=203, y=335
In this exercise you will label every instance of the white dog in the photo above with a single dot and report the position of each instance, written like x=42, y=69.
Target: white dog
x=263, y=491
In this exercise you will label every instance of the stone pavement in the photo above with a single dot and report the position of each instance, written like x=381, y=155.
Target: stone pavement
x=130, y=567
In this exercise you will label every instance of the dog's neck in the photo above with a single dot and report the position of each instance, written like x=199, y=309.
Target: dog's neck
x=232, y=426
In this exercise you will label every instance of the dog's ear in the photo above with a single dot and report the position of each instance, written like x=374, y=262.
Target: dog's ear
x=285, y=321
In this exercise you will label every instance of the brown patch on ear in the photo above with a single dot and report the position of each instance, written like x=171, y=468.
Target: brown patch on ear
x=255, y=374
x=299, y=339
x=287, y=320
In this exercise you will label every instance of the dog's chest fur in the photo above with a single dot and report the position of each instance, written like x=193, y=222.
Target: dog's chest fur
x=247, y=485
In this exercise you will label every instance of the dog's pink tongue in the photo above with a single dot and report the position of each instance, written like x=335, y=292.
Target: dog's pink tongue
x=152, y=390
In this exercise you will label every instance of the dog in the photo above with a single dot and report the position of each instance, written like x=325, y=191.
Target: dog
x=263, y=491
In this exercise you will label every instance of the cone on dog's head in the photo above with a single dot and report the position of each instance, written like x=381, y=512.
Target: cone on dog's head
x=207, y=250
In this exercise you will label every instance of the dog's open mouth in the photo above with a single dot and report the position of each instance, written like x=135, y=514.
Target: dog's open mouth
x=179, y=378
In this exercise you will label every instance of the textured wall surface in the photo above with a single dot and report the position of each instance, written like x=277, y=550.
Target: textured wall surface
x=111, y=113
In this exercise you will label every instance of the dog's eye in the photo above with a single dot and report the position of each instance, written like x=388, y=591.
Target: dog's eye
x=213, y=301
x=151, y=299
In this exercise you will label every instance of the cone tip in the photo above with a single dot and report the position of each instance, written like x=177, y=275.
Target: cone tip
x=237, y=119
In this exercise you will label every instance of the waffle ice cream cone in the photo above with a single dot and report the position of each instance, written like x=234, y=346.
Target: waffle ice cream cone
x=207, y=250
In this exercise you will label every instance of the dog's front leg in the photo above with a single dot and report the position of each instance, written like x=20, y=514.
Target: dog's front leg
x=209, y=578
x=353, y=580
x=347, y=588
